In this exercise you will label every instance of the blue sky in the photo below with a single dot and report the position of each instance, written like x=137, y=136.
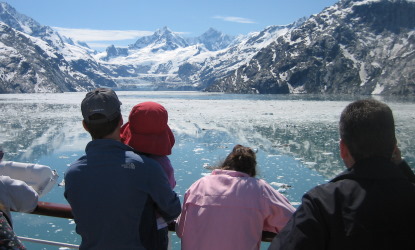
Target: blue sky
x=120, y=22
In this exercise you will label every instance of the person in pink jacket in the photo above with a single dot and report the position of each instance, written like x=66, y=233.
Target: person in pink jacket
x=230, y=208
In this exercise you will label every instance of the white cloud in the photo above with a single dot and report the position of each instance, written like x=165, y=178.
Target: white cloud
x=88, y=35
x=234, y=19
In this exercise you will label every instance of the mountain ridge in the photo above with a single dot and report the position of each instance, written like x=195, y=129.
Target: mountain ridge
x=76, y=69
x=353, y=47
x=342, y=50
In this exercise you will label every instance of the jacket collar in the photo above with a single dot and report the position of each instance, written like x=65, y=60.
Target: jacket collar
x=232, y=173
x=372, y=168
x=102, y=144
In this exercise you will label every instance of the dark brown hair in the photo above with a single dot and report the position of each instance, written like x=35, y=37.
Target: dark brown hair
x=242, y=159
x=367, y=128
x=100, y=130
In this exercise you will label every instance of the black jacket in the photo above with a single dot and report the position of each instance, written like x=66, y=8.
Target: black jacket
x=371, y=206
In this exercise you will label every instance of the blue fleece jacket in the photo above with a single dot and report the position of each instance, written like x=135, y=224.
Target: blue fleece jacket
x=114, y=194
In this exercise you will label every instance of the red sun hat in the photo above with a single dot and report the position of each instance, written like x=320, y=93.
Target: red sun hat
x=147, y=130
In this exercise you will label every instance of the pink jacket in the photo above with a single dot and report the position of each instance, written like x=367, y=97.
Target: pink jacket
x=229, y=210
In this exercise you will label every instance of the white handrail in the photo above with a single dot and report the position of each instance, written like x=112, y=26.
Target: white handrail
x=47, y=242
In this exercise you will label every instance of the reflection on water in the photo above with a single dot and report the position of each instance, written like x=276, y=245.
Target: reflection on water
x=314, y=144
x=295, y=136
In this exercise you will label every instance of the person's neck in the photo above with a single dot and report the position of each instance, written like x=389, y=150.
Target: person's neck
x=114, y=135
x=112, y=138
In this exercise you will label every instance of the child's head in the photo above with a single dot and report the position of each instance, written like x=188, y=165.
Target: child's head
x=242, y=159
x=147, y=131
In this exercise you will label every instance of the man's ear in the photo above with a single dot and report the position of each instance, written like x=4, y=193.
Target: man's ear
x=84, y=124
x=344, y=151
x=345, y=155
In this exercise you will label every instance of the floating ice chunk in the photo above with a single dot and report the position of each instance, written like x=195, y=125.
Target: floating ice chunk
x=198, y=150
x=268, y=156
x=280, y=185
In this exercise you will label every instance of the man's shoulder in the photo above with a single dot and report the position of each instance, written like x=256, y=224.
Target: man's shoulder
x=142, y=164
x=331, y=189
x=80, y=161
x=142, y=159
x=126, y=161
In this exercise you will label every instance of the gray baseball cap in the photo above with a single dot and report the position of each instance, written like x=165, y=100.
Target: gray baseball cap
x=102, y=101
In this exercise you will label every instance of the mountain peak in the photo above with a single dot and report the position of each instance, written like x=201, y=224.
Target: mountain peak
x=214, y=39
x=17, y=21
x=29, y=26
x=163, y=31
x=212, y=31
x=162, y=39
x=5, y=7
x=307, y=58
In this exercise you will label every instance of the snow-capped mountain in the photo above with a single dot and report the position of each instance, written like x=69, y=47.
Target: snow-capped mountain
x=29, y=64
x=165, y=60
x=154, y=61
x=163, y=39
x=148, y=68
x=353, y=47
x=27, y=25
x=203, y=71
x=51, y=63
x=213, y=40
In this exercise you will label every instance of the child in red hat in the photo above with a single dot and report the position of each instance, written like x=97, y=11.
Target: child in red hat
x=148, y=133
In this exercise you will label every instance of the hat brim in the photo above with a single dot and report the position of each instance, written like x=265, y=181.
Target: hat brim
x=156, y=144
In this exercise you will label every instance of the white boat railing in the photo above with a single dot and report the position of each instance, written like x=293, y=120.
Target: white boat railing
x=47, y=242
x=53, y=210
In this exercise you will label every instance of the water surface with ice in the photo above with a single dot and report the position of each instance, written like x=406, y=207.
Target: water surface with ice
x=295, y=136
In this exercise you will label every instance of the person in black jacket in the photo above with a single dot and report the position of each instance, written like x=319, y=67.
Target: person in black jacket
x=371, y=205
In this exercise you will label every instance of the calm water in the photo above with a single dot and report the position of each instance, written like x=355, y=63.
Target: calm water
x=295, y=136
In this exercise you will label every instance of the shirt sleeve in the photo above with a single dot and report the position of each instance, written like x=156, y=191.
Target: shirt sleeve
x=167, y=167
x=167, y=201
x=280, y=210
x=21, y=197
x=304, y=231
x=181, y=220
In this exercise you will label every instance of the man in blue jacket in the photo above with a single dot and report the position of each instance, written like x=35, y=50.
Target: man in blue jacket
x=371, y=205
x=114, y=192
